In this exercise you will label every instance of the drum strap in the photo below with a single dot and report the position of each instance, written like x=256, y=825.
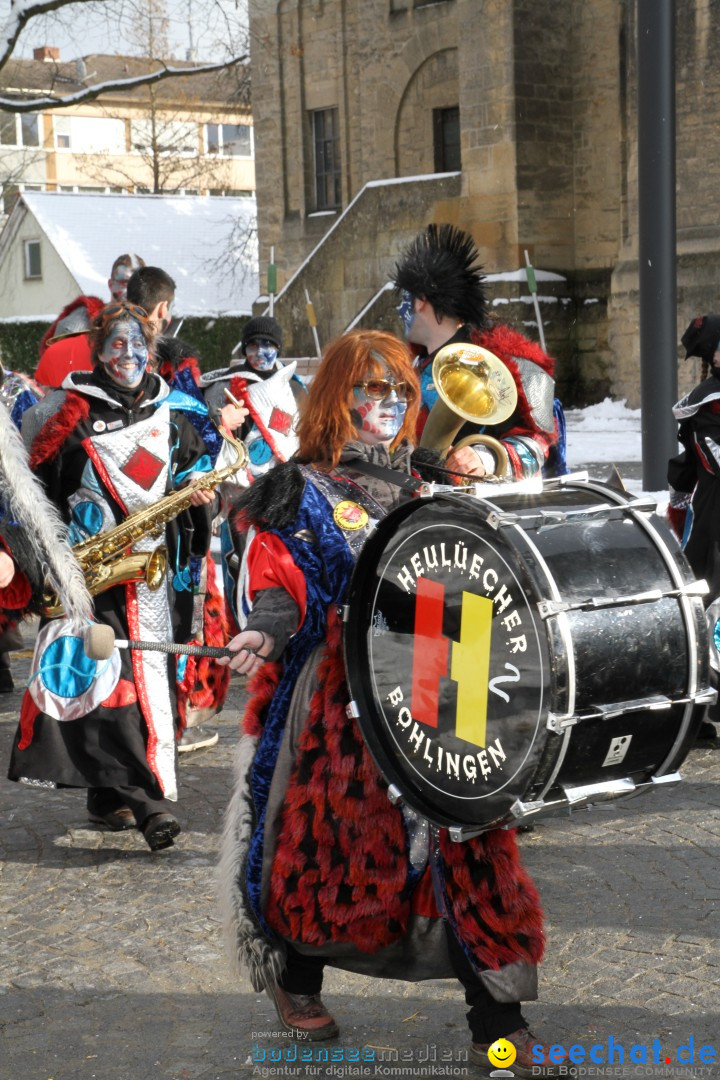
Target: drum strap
x=408, y=483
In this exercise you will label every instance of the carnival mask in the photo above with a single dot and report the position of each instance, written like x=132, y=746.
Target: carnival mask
x=125, y=353
x=118, y=283
x=379, y=407
x=261, y=354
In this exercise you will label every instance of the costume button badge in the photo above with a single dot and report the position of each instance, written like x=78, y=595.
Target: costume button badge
x=99, y=425
x=350, y=516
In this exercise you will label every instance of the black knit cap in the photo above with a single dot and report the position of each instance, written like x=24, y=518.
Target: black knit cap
x=701, y=337
x=262, y=326
x=440, y=266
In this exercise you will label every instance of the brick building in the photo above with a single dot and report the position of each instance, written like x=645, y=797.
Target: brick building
x=515, y=119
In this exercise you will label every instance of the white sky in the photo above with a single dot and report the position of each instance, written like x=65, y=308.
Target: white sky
x=105, y=27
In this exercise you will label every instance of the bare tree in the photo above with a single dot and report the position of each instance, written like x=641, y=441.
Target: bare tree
x=236, y=263
x=168, y=149
x=21, y=15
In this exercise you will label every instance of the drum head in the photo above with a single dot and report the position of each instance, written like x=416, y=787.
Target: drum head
x=447, y=661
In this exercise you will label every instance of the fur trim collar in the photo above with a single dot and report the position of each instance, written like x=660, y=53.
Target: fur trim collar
x=52, y=436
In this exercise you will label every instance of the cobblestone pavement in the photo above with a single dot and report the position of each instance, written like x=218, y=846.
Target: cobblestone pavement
x=113, y=968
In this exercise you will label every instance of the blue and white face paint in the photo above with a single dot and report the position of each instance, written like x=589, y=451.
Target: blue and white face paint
x=125, y=353
x=261, y=354
x=379, y=419
x=406, y=311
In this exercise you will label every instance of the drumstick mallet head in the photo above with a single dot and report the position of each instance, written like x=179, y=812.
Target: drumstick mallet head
x=100, y=641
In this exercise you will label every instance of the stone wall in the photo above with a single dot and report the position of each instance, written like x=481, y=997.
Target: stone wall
x=547, y=94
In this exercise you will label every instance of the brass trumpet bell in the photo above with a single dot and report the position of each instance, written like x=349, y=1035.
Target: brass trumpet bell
x=473, y=384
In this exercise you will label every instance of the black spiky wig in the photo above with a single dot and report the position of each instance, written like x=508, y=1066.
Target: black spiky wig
x=440, y=265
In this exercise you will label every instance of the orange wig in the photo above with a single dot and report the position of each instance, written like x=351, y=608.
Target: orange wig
x=326, y=422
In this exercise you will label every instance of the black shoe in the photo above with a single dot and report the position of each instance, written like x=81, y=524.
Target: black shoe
x=6, y=681
x=116, y=820
x=159, y=830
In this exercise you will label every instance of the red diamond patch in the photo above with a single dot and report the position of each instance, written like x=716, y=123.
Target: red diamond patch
x=280, y=421
x=143, y=468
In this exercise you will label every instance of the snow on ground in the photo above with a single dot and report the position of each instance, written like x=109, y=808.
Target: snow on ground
x=609, y=434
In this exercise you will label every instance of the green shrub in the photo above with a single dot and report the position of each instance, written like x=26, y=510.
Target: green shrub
x=214, y=339
x=19, y=345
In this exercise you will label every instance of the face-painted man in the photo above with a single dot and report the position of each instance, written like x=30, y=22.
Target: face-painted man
x=261, y=354
x=406, y=311
x=124, y=354
x=379, y=407
x=118, y=283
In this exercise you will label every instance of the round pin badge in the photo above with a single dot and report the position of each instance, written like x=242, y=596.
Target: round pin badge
x=99, y=426
x=350, y=516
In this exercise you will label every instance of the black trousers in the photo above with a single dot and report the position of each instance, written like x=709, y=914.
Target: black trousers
x=488, y=1019
x=103, y=800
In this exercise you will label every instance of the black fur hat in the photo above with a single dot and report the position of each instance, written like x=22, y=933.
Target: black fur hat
x=440, y=266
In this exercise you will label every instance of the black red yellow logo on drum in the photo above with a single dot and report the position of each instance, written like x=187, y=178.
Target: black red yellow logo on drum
x=456, y=665
x=466, y=661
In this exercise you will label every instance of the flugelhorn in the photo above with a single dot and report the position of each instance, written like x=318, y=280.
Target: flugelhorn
x=473, y=385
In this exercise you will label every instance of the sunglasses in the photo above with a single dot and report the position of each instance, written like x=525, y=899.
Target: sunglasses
x=379, y=389
x=114, y=311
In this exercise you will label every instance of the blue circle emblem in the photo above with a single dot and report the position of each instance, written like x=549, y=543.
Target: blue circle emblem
x=65, y=669
x=259, y=451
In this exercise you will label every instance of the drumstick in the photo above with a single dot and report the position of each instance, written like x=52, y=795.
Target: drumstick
x=100, y=641
x=233, y=400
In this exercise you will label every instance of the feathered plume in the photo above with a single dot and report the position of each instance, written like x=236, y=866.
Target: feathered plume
x=440, y=265
x=24, y=499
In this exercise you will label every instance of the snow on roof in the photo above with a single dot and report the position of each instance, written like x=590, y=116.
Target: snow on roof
x=185, y=235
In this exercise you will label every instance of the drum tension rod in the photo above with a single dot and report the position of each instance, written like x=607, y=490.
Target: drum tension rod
x=656, y=702
x=609, y=511
x=547, y=608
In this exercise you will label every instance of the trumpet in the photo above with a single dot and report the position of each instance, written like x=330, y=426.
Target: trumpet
x=107, y=559
x=472, y=384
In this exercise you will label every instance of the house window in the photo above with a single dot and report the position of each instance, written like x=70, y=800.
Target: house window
x=170, y=138
x=21, y=130
x=63, y=138
x=228, y=140
x=446, y=139
x=326, y=144
x=33, y=265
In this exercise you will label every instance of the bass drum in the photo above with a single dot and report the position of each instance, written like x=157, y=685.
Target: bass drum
x=514, y=655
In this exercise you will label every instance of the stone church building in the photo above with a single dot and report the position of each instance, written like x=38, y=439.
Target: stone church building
x=514, y=119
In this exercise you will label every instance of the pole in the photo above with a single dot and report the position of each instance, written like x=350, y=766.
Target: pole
x=532, y=285
x=312, y=319
x=657, y=237
x=272, y=280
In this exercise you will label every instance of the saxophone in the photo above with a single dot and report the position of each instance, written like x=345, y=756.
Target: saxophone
x=107, y=559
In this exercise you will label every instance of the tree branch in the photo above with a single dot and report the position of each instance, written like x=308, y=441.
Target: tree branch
x=21, y=12
x=91, y=92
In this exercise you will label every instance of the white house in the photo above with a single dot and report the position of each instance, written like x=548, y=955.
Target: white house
x=57, y=245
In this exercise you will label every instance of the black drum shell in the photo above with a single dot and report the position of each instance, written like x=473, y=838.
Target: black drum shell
x=584, y=661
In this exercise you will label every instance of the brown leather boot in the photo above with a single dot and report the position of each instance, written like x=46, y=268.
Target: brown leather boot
x=302, y=1015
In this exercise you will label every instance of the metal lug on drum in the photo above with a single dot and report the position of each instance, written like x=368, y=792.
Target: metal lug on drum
x=395, y=795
